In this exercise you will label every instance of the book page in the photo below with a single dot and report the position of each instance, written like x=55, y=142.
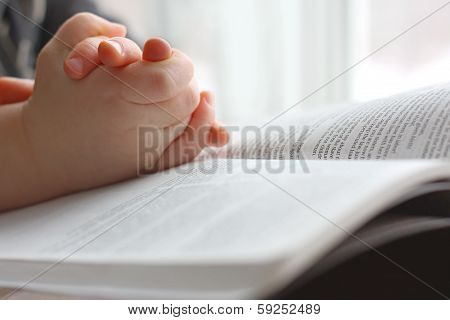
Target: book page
x=228, y=211
x=405, y=126
x=235, y=231
x=208, y=211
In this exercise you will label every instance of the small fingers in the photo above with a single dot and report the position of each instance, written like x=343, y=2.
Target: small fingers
x=118, y=52
x=156, y=81
x=171, y=112
x=195, y=137
x=14, y=90
x=83, y=58
x=91, y=52
x=218, y=135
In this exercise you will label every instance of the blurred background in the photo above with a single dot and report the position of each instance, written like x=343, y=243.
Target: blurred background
x=261, y=56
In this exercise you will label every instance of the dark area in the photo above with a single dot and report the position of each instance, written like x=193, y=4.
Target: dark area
x=17, y=17
x=369, y=275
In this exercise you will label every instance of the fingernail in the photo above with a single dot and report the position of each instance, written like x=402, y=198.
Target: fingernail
x=212, y=138
x=117, y=46
x=76, y=64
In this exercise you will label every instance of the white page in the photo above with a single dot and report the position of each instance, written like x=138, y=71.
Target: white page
x=406, y=126
x=203, y=220
x=215, y=215
x=176, y=214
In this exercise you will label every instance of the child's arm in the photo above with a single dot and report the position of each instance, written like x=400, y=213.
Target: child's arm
x=18, y=174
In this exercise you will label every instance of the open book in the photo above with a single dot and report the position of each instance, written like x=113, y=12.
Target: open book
x=238, y=226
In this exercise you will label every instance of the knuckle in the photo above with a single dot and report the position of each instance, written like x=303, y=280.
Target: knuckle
x=44, y=55
x=83, y=17
x=186, y=63
x=190, y=68
x=188, y=99
x=163, y=82
x=86, y=48
x=194, y=97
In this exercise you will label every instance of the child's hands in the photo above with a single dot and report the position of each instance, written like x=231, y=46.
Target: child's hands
x=83, y=134
x=85, y=58
x=120, y=52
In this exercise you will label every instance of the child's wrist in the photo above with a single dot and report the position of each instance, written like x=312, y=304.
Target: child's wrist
x=29, y=149
x=19, y=172
x=38, y=154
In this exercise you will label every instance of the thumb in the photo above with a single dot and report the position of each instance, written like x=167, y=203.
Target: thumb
x=156, y=49
x=14, y=90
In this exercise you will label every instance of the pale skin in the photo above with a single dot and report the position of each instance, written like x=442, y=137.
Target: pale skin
x=75, y=127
